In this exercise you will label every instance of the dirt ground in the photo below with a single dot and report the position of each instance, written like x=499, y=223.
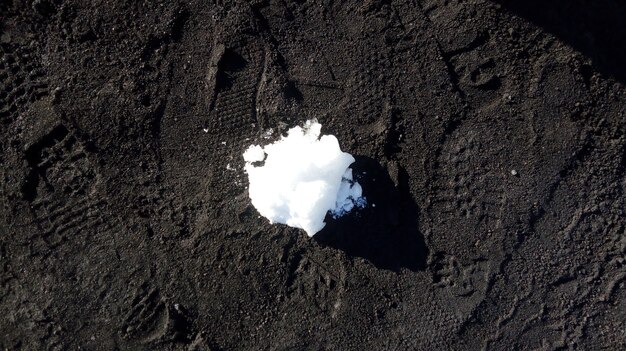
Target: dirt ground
x=489, y=134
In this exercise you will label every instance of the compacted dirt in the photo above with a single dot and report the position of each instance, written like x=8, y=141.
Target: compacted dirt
x=489, y=135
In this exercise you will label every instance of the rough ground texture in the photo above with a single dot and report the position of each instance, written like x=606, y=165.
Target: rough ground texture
x=490, y=135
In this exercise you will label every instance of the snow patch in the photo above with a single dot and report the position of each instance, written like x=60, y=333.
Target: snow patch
x=304, y=176
x=254, y=153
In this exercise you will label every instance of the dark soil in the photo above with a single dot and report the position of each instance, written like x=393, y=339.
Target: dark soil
x=490, y=135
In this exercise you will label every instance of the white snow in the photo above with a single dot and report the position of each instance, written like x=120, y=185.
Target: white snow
x=254, y=153
x=303, y=177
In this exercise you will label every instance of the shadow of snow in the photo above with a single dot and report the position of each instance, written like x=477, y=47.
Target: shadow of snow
x=386, y=231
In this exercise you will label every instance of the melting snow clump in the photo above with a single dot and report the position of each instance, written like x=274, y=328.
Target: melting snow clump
x=302, y=177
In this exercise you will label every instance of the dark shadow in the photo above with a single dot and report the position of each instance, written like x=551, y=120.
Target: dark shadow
x=596, y=28
x=385, y=232
x=178, y=25
x=291, y=92
x=229, y=64
x=34, y=157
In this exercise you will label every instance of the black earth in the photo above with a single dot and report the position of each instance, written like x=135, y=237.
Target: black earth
x=489, y=134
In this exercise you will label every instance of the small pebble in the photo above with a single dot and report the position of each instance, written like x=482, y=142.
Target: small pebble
x=513, y=172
